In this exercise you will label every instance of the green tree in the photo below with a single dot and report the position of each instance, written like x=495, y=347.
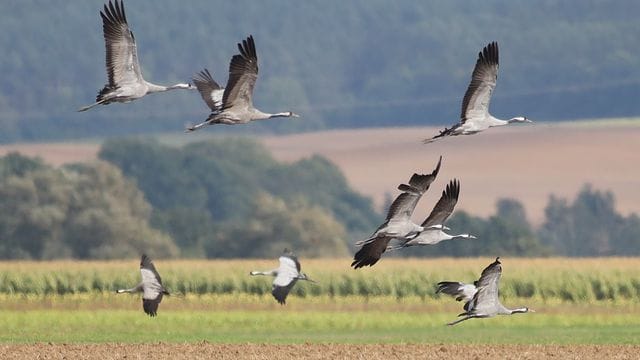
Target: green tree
x=275, y=224
x=80, y=211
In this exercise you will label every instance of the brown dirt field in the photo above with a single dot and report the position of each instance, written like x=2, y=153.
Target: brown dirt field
x=527, y=162
x=315, y=351
x=55, y=153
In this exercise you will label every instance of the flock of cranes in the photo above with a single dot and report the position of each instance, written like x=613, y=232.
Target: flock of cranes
x=233, y=105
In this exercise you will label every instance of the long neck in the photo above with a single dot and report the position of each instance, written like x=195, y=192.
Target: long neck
x=280, y=114
x=520, y=310
x=265, y=273
x=135, y=289
x=460, y=236
x=504, y=311
x=154, y=88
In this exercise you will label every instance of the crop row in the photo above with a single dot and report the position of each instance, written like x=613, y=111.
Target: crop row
x=573, y=280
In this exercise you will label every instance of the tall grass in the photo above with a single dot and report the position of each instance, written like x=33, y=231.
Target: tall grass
x=556, y=279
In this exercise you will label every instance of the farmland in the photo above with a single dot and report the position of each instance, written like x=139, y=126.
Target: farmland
x=560, y=157
x=217, y=310
x=577, y=301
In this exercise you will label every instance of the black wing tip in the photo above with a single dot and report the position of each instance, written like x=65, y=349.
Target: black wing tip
x=361, y=261
x=145, y=260
x=452, y=190
x=247, y=48
x=447, y=287
x=437, y=169
x=489, y=54
x=114, y=12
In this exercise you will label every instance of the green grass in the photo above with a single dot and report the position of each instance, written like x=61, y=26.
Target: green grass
x=285, y=326
x=578, y=301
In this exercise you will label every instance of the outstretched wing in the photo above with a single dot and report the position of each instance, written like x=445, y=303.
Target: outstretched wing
x=209, y=89
x=121, y=53
x=486, y=301
x=288, y=273
x=370, y=252
x=404, y=205
x=444, y=207
x=460, y=291
x=243, y=72
x=483, y=80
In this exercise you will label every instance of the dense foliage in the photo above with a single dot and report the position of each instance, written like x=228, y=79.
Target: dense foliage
x=230, y=198
x=340, y=64
x=81, y=211
x=590, y=226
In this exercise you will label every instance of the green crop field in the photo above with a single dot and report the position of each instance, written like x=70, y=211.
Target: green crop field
x=577, y=301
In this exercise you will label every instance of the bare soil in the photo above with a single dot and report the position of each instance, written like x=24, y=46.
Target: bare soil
x=527, y=163
x=206, y=350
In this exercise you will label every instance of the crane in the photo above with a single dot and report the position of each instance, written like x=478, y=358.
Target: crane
x=434, y=224
x=398, y=223
x=475, y=115
x=482, y=297
x=286, y=275
x=123, y=70
x=150, y=287
x=237, y=100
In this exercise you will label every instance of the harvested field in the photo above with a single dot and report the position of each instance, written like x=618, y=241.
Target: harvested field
x=527, y=163
x=315, y=351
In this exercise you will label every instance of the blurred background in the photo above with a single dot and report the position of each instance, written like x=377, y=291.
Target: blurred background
x=371, y=80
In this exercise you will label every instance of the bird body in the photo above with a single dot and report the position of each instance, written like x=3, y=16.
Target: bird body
x=123, y=69
x=286, y=276
x=150, y=287
x=434, y=223
x=484, y=302
x=237, y=99
x=398, y=224
x=475, y=116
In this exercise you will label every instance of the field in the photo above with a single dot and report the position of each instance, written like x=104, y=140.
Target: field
x=527, y=163
x=585, y=308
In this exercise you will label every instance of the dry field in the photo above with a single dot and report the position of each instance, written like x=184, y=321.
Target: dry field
x=527, y=162
x=207, y=350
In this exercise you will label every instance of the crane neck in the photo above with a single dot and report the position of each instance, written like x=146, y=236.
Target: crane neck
x=154, y=88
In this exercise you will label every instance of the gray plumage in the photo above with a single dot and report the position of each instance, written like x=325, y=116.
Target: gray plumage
x=237, y=100
x=209, y=89
x=484, y=302
x=123, y=69
x=286, y=276
x=475, y=116
x=434, y=229
x=150, y=287
x=398, y=223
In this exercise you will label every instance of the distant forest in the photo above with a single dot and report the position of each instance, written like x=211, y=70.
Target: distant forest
x=228, y=198
x=353, y=64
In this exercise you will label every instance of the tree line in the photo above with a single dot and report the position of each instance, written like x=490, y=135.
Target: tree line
x=229, y=198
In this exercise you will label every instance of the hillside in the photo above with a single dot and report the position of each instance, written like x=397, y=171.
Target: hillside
x=527, y=163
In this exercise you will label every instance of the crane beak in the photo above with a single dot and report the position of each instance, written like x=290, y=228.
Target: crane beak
x=531, y=310
x=527, y=120
x=295, y=115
